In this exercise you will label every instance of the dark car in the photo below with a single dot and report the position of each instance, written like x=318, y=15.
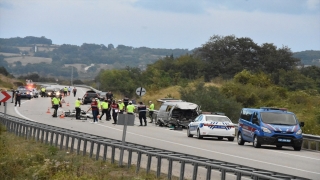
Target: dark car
x=25, y=93
x=52, y=92
x=102, y=95
x=87, y=98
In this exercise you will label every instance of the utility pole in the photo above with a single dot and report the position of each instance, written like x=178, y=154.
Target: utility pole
x=71, y=76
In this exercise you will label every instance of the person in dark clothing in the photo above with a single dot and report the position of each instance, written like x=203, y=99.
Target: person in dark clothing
x=109, y=110
x=18, y=99
x=125, y=102
x=13, y=93
x=109, y=95
x=142, y=109
x=74, y=91
x=115, y=111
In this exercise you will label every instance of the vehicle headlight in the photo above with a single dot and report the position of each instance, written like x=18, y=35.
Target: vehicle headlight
x=266, y=130
x=58, y=93
x=299, y=132
x=49, y=93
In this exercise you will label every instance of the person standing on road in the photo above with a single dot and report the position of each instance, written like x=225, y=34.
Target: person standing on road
x=130, y=108
x=18, y=99
x=109, y=110
x=74, y=91
x=99, y=105
x=142, y=113
x=78, y=109
x=43, y=92
x=121, y=106
x=105, y=107
x=69, y=91
x=65, y=91
x=115, y=111
x=125, y=102
x=55, y=103
x=13, y=94
x=151, y=109
x=94, y=108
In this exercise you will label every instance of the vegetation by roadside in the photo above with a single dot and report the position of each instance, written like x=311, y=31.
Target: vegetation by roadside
x=22, y=159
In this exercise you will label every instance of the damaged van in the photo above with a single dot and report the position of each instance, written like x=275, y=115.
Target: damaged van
x=177, y=113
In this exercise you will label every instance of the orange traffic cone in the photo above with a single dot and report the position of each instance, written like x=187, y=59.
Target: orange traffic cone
x=62, y=116
x=48, y=111
x=67, y=103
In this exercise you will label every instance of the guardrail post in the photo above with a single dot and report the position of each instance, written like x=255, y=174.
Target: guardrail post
x=309, y=144
x=98, y=151
x=84, y=147
x=223, y=174
x=61, y=140
x=20, y=129
x=105, y=150
x=239, y=175
x=170, y=169
x=148, y=163
x=56, y=139
x=42, y=135
x=208, y=172
x=33, y=133
x=51, y=137
x=129, y=158
x=113, y=149
x=67, y=142
x=16, y=129
x=78, y=146
x=72, y=144
x=26, y=131
x=38, y=134
x=182, y=170
x=159, y=166
x=195, y=171
x=138, y=162
x=91, y=149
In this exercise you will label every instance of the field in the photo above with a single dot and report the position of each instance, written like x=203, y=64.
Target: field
x=27, y=59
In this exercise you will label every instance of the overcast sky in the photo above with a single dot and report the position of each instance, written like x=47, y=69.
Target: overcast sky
x=185, y=24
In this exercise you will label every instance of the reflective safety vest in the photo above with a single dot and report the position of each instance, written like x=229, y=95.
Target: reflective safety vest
x=130, y=108
x=78, y=103
x=151, y=108
x=65, y=89
x=121, y=105
x=56, y=101
x=43, y=89
x=105, y=105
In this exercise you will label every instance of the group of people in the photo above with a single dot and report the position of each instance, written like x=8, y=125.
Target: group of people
x=66, y=91
x=111, y=108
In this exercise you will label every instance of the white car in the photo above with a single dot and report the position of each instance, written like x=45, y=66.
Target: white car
x=212, y=125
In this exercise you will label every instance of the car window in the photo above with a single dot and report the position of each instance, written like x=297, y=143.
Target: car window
x=217, y=119
x=278, y=118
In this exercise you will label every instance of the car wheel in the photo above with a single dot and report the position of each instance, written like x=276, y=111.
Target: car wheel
x=239, y=139
x=297, y=148
x=255, y=142
x=231, y=139
x=220, y=138
x=188, y=133
x=198, y=134
x=279, y=146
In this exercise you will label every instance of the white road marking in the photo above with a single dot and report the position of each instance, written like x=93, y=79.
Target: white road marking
x=16, y=110
x=214, y=151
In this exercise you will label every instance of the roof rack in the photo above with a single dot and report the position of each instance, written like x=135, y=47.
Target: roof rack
x=273, y=108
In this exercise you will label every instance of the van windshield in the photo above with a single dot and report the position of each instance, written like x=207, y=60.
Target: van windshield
x=278, y=118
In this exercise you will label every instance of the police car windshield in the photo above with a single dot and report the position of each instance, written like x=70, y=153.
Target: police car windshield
x=217, y=119
x=278, y=118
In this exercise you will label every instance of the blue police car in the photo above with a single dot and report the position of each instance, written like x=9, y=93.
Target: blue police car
x=270, y=126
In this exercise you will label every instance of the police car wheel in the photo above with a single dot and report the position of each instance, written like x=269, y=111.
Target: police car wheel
x=297, y=148
x=198, y=134
x=255, y=142
x=239, y=139
x=188, y=133
x=279, y=146
x=231, y=139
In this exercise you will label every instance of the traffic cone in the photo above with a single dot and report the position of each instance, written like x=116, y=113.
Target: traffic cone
x=61, y=116
x=48, y=110
x=67, y=103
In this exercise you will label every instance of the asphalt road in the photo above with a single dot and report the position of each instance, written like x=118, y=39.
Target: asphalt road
x=300, y=163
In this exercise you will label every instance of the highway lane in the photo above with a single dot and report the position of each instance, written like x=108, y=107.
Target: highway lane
x=301, y=163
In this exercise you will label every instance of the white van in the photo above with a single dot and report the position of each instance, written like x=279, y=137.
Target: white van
x=177, y=113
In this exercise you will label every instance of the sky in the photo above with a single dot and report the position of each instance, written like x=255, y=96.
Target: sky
x=170, y=24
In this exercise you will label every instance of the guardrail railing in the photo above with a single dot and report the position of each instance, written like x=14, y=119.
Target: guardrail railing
x=77, y=141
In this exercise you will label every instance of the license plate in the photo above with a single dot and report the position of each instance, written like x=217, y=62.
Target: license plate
x=284, y=140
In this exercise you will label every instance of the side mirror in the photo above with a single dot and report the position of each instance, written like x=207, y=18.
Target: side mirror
x=301, y=124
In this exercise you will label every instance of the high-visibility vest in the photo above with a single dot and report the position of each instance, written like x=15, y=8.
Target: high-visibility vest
x=78, y=103
x=151, y=108
x=56, y=101
x=43, y=89
x=105, y=105
x=121, y=105
x=130, y=108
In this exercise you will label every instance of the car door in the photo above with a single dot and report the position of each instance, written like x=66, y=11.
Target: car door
x=162, y=112
x=194, y=125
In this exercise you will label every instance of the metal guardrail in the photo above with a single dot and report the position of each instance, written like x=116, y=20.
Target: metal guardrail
x=61, y=137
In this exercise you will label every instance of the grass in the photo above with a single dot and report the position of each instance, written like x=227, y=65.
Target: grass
x=22, y=159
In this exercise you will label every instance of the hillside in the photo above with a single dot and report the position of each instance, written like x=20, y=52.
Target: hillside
x=8, y=82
